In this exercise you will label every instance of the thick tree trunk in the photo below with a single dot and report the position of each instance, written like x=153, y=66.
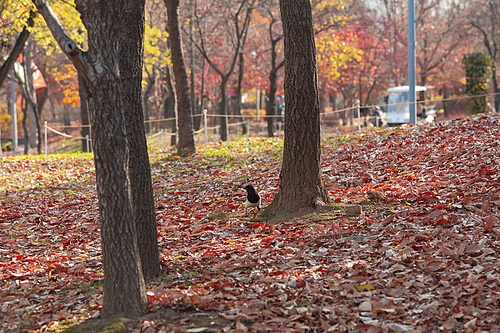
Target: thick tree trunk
x=300, y=177
x=131, y=62
x=84, y=115
x=124, y=287
x=184, y=123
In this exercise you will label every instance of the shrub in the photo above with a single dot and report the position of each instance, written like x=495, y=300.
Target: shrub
x=477, y=68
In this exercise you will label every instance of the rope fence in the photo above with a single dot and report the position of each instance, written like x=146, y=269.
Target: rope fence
x=205, y=128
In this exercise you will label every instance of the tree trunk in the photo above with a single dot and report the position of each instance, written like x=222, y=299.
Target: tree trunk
x=100, y=68
x=271, y=105
x=238, y=93
x=84, y=115
x=198, y=120
x=496, y=89
x=184, y=124
x=171, y=111
x=300, y=186
x=17, y=49
x=25, y=126
x=131, y=62
x=223, y=109
x=446, y=95
x=145, y=101
x=34, y=114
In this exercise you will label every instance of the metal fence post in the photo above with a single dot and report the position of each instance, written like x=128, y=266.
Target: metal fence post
x=45, y=137
x=88, y=143
x=359, y=116
x=205, y=121
x=161, y=138
x=248, y=128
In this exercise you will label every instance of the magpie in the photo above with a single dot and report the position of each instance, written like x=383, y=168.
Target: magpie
x=252, y=199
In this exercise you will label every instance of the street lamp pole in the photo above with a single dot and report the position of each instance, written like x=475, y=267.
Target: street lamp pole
x=412, y=61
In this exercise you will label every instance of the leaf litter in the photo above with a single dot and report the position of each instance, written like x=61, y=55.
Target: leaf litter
x=423, y=255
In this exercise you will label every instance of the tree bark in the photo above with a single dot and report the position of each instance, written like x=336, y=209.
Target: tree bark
x=300, y=177
x=131, y=62
x=99, y=67
x=184, y=123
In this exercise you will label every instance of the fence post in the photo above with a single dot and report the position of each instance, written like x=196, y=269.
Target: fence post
x=45, y=137
x=161, y=139
x=323, y=125
x=279, y=129
x=88, y=146
x=205, y=121
x=248, y=128
x=359, y=117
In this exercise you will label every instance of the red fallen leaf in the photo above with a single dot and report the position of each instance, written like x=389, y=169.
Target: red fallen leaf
x=447, y=251
x=488, y=227
x=260, y=327
x=443, y=221
x=368, y=328
x=204, y=228
x=267, y=240
x=241, y=327
x=434, y=266
x=278, y=273
x=474, y=249
x=387, y=220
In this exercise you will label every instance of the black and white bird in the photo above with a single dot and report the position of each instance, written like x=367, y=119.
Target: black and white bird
x=252, y=199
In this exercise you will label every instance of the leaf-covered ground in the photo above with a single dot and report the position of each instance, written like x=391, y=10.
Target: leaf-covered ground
x=423, y=256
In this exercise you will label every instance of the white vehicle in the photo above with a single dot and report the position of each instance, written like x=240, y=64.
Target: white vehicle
x=398, y=108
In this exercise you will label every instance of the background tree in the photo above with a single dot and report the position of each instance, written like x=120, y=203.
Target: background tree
x=477, y=69
x=229, y=25
x=100, y=68
x=17, y=49
x=184, y=123
x=275, y=36
x=300, y=177
x=484, y=17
